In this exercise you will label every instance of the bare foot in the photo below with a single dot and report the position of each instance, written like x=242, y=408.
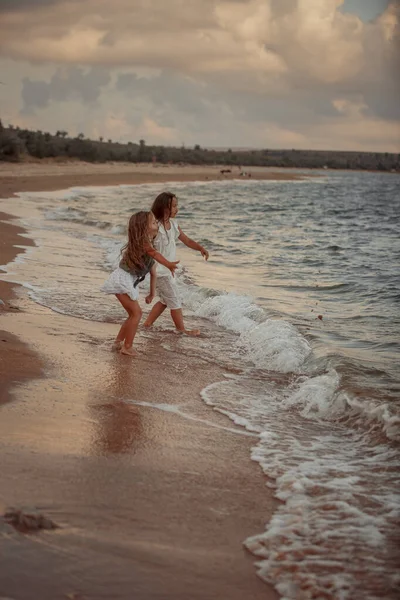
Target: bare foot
x=128, y=351
x=192, y=332
x=116, y=347
x=147, y=325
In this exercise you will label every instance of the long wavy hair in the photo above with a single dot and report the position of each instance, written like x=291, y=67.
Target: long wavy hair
x=138, y=237
x=162, y=206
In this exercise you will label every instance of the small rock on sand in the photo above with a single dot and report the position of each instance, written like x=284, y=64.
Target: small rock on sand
x=27, y=521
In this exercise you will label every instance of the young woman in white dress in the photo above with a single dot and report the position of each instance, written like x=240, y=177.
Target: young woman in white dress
x=165, y=209
x=138, y=259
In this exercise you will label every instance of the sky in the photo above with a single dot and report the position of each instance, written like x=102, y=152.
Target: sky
x=320, y=74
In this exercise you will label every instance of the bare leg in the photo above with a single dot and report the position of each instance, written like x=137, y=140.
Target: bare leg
x=155, y=312
x=177, y=317
x=129, y=328
x=120, y=337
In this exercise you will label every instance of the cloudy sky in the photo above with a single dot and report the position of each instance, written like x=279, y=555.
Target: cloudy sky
x=318, y=74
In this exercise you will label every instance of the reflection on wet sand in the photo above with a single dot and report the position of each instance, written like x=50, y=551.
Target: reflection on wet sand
x=141, y=495
x=118, y=426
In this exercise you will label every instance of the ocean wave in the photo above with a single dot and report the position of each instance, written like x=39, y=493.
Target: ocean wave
x=322, y=398
x=268, y=343
x=338, y=491
x=79, y=217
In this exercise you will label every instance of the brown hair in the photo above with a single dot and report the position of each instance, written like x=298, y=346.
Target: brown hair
x=138, y=238
x=161, y=205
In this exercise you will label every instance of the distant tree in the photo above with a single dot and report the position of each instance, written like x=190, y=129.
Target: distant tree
x=15, y=141
x=142, y=151
x=101, y=139
x=11, y=146
x=161, y=155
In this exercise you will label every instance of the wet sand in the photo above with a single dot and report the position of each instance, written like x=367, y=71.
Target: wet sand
x=17, y=361
x=154, y=493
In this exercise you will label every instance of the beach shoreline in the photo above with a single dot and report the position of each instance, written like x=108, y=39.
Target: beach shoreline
x=146, y=505
x=51, y=176
x=17, y=361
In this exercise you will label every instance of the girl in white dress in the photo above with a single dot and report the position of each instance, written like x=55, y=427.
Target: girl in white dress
x=138, y=256
x=165, y=209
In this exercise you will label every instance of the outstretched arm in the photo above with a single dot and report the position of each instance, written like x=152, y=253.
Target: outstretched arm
x=192, y=244
x=161, y=259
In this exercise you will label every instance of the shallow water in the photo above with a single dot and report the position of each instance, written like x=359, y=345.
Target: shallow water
x=301, y=299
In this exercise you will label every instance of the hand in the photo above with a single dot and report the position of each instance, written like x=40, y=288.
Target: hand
x=204, y=253
x=149, y=299
x=173, y=266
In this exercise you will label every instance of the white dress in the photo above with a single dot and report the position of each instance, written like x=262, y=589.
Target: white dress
x=165, y=243
x=121, y=282
x=166, y=286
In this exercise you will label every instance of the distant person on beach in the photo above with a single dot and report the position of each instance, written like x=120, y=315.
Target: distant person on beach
x=165, y=209
x=138, y=256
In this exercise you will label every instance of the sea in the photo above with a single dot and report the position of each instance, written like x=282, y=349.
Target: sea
x=299, y=304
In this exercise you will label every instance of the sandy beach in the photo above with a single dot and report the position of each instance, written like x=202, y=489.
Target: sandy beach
x=55, y=175
x=122, y=456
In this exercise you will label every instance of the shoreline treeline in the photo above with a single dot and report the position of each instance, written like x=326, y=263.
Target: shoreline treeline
x=17, y=144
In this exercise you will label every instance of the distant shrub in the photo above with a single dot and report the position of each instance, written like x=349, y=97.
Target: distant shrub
x=11, y=146
x=15, y=142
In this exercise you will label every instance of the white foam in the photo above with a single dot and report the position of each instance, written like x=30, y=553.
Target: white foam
x=276, y=345
x=320, y=398
x=112, y=248
x=176, y=410
x=338, y=492
x=317, y=396
x=271, y=344
x=230, y=311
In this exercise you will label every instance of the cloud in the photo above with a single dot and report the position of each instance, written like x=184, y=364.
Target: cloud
x=310, y=118
x=35, y=94
x=18, y=5
x=266, y=46
x=215, y=72
x=262, y=36
x=66, y=83
x=360, y=133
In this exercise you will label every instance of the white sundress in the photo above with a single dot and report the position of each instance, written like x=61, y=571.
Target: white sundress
x=121, y=282
x=166, y=286
x=165, y=243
